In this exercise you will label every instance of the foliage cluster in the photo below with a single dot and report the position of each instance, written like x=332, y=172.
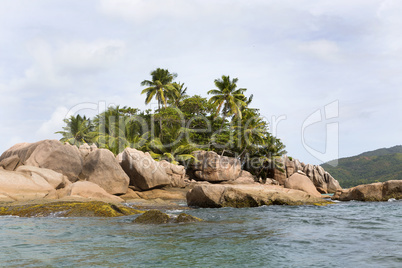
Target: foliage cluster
x=182, y=124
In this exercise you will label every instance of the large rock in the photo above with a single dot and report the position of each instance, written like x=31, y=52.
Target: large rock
x=279, y=176
x=303, y=183
x=321, y=178
x=290, y=168
x=51, y=154
x=244, y=178
x=163, y=194
x=102, y=168
x=10, y=163
x=176, y=173
x=85, y=149
x=212, y=195
x=207, y=196
x=215, y=168
x=55, y=179
x=143, y=171
x=91, y=190
x=22, y=186
x=379, y=191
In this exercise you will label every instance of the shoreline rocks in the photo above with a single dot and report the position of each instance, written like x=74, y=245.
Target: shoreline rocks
x=51, y=154
x=216, y=196
x=322, y=180
x=379, y=191
x=50, y=170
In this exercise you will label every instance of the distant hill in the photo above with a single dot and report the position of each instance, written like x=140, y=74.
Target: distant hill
x=374, y=166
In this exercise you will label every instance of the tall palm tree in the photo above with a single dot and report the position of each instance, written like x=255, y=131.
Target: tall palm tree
x=228, y=97
x=77, y=130
x=159, y=87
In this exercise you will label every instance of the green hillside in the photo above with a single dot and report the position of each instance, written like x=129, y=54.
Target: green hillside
x=374, y=166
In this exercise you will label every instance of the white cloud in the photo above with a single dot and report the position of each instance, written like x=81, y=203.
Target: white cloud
x=55, y=123
x=321, y=49
x=79, y=56
x=149, y=10
x=54, y=63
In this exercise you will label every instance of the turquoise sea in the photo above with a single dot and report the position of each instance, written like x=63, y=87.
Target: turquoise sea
x=346, y=234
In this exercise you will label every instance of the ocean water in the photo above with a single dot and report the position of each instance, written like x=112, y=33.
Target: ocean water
x=346, y=234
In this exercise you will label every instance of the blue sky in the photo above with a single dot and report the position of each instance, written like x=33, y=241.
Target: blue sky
x=296, y=57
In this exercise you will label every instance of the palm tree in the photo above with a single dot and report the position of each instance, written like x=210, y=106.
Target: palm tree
x=228, y=97
x=159, y=87
x=115, y=130
x=269, y=156
x=251, y=132
x=179, y=94
x=77, y=130
x=180, y=152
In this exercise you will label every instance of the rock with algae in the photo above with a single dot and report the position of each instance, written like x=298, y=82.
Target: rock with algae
x=69, y=209
x=184, y=218
x=155, y=216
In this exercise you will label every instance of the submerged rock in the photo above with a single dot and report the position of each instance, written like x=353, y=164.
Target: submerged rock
x=185, y=218
x=152, y=216
x=155, y=216
x=69, y=209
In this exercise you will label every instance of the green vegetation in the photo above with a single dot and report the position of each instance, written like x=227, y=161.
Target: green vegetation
x=374, y=166
x=182, y=124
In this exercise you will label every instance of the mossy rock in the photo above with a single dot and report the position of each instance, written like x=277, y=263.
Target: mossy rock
x=323, y=203
x=185, y=218
x=69, y=209
x=155, y=216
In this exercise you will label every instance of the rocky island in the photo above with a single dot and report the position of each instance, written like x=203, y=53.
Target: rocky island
x=206, y=153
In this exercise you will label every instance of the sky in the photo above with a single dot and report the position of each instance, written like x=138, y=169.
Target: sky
x=325, y=74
